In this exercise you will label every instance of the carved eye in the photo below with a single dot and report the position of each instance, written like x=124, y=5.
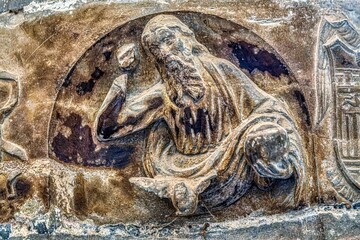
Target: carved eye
x=168, y=40
x=167, y=37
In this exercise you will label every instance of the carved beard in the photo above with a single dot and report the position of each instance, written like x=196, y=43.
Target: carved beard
x=183, y=79
x=201, y=119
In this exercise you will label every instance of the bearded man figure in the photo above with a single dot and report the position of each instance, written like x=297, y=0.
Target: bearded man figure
x=213, y=131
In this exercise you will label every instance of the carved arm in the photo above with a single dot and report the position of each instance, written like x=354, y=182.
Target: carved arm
x=118, y=117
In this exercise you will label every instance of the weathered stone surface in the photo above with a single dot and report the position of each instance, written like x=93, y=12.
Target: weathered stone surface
x=321, y=223
x=179, y=119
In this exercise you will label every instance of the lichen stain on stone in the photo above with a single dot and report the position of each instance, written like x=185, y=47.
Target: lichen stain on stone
x=43, y=191
x=251, y=57
x=79, y=147
x=96, y=196
x=80, y=203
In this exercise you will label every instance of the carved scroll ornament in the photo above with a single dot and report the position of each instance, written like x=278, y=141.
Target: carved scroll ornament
x=9, y=104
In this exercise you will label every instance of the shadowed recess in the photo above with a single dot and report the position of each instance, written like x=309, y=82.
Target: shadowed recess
x=302, y=103
x=345, y=59
x=22, y=187
x=79, y=147
x=251, y=57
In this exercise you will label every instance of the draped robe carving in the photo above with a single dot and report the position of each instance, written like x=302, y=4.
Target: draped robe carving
x=213, y=131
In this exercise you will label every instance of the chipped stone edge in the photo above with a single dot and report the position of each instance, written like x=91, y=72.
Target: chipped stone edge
x=21, y=11
x=67, y=229
x=325, y=221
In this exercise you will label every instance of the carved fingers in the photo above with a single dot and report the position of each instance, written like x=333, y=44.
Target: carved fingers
x=159, y=187
x=181, y=191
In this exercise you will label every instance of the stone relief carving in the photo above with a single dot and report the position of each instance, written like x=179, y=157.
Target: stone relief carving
x=11, y=183
x=191, y=108
x=338, y=82
x=8, y=193
x=9, y=90
x=121, y=129
x=213, y=130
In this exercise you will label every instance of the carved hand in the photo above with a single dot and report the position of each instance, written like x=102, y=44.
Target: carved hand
x=128, y=57
x=267, y=151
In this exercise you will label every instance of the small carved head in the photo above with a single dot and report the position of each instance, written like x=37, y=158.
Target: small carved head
x=184, y=199
x=267, y=148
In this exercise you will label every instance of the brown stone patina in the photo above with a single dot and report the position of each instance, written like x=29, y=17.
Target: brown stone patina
x=220, y=123
x=180, y=117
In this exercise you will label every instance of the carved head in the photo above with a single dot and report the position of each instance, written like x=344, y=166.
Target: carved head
x=174, y=46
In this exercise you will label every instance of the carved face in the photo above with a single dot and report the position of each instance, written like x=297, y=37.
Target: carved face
x=184, y=199
x=172, y=47
x=173, y=51
x=165, y=41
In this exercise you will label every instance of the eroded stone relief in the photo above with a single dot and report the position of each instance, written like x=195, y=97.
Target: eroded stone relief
x=177, y=116
x=338, y=78
x=209, y=132
x=11, y=184
x=9, y=97
x=219, y=130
